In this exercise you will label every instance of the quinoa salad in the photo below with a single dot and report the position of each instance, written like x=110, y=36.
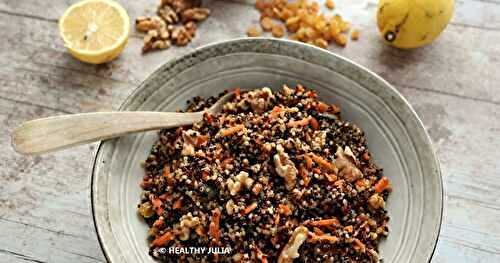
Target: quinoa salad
x=277, y=176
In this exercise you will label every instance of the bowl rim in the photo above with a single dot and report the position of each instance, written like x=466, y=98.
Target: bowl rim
x=260, y=40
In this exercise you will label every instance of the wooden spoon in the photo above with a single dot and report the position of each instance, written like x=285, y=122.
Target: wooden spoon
x=60, y=132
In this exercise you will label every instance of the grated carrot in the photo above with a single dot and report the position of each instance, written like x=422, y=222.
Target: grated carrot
x=177, y=204
x=260, y=255
x=284, y=209
x=200, y=154
x=165, y=197
x=249, y=209
x=323, y=163
x=213, y=228
x=299, y=123
x=157, y=205
x=325, y=222
x=318, y=231
x=305, y=175
x=226, y=161
x=320, y=238
x=200, y=231
x=339, y=183
x=314, y=123
x=335, y=109
x=322, y=107
x=158, y=223
x=358, y=245
x=299, y=88
x=316, y=170
x=205, y=175
x=201, y=140
x=382, y=185
x=309, y=161
x=163, y=239
x=166, y=173
x=237, y=92
x=275, y=112
x=331, y=177
x=276, y=218
x=208, y=117
x=231, y=130
x=311, y=94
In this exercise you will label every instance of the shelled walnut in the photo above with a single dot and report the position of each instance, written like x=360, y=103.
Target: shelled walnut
x=175, y=23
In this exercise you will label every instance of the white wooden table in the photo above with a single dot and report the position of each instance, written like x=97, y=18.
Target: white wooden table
x=454, y=85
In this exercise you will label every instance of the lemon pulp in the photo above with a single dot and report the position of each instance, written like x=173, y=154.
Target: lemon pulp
x=95, y=31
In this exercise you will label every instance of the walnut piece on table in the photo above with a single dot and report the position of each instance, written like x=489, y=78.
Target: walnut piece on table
x=175, y=23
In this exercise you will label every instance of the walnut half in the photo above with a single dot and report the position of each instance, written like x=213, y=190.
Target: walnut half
x=291, y=249
x=346, y=162
x=285, y=167
x=195, y=14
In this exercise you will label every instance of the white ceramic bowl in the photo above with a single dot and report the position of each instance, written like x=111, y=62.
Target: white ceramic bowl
x=396, y=138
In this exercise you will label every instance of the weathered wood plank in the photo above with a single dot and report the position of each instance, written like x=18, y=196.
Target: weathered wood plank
x=34, y=54
x=475, y=13
x=44, y=200
x=44, y=208
x=466, y=140
x=66, y=197
x=41, y=245
x=9, y=256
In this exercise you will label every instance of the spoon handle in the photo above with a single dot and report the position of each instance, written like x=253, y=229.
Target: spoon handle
x=59, y=132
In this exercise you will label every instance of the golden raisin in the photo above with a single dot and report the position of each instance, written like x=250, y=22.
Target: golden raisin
x=334, y=29
x=355, y=35
x=278, y=30
x=314, y=7
x=268, y=12
x=304, y=21
x=261, y=5
x=330, y=4
x=341, y=40
x=285, y=14
x=292, y=24
x=345, y=26
x=266, y=23
x=253, y=31
x=320, y=42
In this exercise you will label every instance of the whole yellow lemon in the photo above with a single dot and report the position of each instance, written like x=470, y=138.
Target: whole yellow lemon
x=413, y=23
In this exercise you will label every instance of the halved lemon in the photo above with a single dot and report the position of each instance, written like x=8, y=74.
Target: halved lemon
x=95, y=31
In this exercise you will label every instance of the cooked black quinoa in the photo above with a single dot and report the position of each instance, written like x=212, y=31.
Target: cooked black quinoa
x=297, y=162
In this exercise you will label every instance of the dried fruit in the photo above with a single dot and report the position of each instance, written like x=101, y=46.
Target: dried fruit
x=278, y=31
x=330, y=4
x=341, y=40
x=266, y=23
x=355, y=35
x=253, y=31
x=146, y=210
x=304, y=18
x=320, y=42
